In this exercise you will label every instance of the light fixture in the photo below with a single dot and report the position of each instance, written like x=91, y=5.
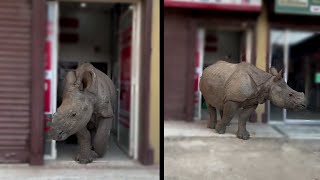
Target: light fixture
x=83, y=5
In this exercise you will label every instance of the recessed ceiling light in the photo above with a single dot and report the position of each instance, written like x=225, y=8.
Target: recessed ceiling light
x=83, y=5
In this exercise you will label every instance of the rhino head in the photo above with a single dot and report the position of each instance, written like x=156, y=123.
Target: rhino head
x=76, y=108
x=282, y=95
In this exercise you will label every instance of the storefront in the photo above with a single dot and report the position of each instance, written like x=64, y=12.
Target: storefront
x=41, y=40
x=197, y=34
x=294, y=47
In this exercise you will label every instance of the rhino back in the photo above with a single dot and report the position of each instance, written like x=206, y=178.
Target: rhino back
x=106, y=89
x=213, y=81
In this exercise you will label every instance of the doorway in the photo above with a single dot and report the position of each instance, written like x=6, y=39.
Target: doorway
x=229, y=44
x=105, y=35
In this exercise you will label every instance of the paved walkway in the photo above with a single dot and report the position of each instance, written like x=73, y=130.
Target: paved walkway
x=69, y=170
x=179, y=129
x=191, y=151
x=233, y=159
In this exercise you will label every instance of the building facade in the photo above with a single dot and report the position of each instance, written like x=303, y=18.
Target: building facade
x=25, y=55
x=196, y=34
x=275, y=33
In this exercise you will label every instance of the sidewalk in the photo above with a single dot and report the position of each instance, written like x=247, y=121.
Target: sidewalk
x=70, y=170
x=191, y=151
x=181, y=129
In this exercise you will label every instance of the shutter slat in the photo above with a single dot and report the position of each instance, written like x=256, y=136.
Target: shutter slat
x=14, y=113
x=6, y=29
x=13, y=107
x=18, y=120
x=13, y=137
x=14, y=95
x=14, y=131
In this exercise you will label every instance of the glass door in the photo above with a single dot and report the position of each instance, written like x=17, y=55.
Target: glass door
x=51, y=68
x=198, y=72
x=298, y=54
x=303, y=73
x=125, y=50
x=276, y=59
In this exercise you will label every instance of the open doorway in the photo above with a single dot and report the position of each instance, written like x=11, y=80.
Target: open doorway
x=232, y=45
x=100, y=34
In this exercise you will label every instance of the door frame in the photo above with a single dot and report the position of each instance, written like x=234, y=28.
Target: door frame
x=249, y=38
x=39, y=17
x=38, y=39
x=135, y=10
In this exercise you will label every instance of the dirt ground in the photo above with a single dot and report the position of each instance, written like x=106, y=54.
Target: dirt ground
x=228, y=158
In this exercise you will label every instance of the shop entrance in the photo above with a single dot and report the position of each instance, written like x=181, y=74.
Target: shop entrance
x=105, y=35
x=233, y=45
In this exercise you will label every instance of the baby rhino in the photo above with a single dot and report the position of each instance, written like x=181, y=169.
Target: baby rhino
x=87, y=108
x=239, y=88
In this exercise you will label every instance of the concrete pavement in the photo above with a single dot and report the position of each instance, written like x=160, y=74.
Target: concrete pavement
x=188, y=154
x=69, y=170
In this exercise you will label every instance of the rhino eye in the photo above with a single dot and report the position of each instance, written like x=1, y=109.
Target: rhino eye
x=290, y=94
x=73, y=114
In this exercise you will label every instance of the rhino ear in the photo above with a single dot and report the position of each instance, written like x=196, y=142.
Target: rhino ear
x=69, y=80
x=87, y=80
x=273, y=71
x=70, y=77
x=278, y=76
x=86, y=77
x=281, y=73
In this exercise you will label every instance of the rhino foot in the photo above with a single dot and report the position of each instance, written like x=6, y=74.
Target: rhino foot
x=243, y=135
x=220, y=130
x=211, y=126
x=85, y=158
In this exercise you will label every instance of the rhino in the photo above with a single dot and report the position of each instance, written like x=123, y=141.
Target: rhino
x=87, y=110
x=239, y=88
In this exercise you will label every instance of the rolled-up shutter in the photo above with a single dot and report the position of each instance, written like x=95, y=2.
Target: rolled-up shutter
x=15, y=80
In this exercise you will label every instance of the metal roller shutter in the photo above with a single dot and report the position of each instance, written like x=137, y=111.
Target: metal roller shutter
x=15, y=80
x=175, y=63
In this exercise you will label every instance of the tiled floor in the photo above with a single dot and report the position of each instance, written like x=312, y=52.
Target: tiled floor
x=199, y=129
x=66, y=152
x=300, y=131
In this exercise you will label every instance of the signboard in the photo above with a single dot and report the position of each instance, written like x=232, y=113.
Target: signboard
x=231, y=5
x=305, y=7
x=198, y=73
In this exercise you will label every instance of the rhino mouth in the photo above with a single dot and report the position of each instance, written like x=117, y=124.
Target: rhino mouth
x=300, y=107
x=58, y=136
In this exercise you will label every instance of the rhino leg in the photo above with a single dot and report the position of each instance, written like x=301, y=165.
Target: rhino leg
x=102, y=134
x=86, y=155
x=221, y=114
x=213, y=117
x=242, y=132
x=229, y=110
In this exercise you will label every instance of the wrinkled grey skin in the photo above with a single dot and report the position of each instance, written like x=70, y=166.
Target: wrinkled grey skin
x=86, y=110
x=239, y=88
